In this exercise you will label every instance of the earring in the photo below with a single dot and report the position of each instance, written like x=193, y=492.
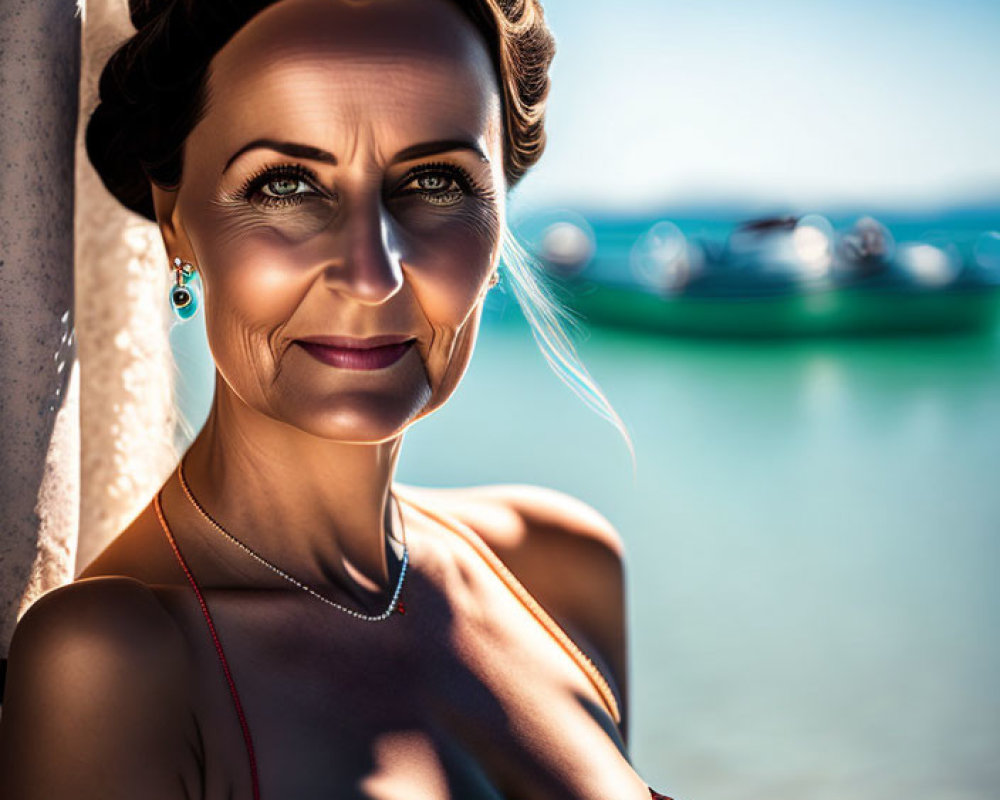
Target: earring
x=184, y=296
x=495, y=278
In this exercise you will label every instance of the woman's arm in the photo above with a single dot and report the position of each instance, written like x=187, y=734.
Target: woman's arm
x=96, y=705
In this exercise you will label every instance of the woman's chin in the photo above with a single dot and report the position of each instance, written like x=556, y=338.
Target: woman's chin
x=354, y=417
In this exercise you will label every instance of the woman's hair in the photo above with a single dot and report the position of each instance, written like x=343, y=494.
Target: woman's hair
x=153, y=91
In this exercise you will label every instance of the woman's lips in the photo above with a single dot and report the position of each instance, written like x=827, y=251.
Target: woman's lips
x=357, y=358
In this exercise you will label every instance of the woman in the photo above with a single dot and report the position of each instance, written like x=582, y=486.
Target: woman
x=283, y=620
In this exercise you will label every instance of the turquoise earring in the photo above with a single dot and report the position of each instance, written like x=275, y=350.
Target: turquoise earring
x=184, y=295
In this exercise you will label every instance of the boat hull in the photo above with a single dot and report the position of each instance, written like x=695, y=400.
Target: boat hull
x=829, y=312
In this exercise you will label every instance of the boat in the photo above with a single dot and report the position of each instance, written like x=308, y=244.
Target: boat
x=792, y=276
x=855, y=310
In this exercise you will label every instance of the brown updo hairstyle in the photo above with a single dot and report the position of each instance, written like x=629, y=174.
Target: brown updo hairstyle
x=152, y=90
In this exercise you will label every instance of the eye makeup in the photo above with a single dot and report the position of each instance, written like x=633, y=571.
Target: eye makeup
x=461, y=184
x=251, y=190
x=453, y=171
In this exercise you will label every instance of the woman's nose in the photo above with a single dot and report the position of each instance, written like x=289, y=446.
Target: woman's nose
x=368, y=264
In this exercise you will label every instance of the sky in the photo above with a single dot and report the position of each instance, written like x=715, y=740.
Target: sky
x=846, y=103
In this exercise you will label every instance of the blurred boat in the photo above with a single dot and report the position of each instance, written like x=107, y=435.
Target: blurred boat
x=841, y=311
x=795, y=276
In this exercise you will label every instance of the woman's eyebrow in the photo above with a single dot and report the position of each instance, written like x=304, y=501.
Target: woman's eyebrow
x=288, y=148
x=441, y=146
x=297, y=150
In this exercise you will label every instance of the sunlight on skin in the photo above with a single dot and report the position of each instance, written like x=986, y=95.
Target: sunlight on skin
x=347, y=219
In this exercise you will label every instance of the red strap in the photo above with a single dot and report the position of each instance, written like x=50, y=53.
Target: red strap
x=225, y=665
x=218, y=648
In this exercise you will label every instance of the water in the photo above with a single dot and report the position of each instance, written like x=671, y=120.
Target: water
x=813, y=534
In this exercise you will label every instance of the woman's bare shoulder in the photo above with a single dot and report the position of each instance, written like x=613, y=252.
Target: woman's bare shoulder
x=111, y=609
x=107, y=633
x=512, y=516
x=96, y=696
x=564, y=551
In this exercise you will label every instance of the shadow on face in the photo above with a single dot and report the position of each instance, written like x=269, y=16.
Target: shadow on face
x=345, y=180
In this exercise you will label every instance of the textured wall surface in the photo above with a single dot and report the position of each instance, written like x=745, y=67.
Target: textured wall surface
x=127, y=415
x=39, y=63
x=87, y=419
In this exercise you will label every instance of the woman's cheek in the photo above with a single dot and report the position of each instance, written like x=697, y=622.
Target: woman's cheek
x=476, y=217
x=452, y=249
x=449, y=257
x=252, y=287
x=449, y=357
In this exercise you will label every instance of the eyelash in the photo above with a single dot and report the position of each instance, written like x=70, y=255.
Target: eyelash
x=269, y=173
x=453, y=171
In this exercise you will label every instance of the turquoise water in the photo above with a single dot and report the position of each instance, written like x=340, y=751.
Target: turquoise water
x=813, y=534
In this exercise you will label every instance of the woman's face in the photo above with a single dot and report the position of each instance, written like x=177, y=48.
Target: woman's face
x=346, y=180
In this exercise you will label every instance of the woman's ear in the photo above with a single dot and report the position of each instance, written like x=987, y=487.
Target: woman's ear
x=167, y=219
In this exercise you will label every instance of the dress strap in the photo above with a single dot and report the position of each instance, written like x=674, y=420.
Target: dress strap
x=589, y=668
x=218, y=646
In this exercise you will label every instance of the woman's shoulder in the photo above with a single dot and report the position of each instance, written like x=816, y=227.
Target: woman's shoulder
x=520, y=517
x=97, y=675
x=105, y=625
x=564, y=551
x=93, y=638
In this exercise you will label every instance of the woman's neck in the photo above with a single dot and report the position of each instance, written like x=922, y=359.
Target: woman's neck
x=316, y=508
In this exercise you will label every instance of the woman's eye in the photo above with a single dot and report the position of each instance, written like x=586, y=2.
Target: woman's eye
x=437, y=187
x=284, y=187
x=280, y=187
x=433, y=182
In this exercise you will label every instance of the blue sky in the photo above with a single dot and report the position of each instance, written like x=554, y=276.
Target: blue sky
x=815, y=103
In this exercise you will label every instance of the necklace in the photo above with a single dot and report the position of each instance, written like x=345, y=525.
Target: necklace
x=394, y=603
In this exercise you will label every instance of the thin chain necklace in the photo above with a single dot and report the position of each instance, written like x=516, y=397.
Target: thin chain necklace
x=394, y=604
